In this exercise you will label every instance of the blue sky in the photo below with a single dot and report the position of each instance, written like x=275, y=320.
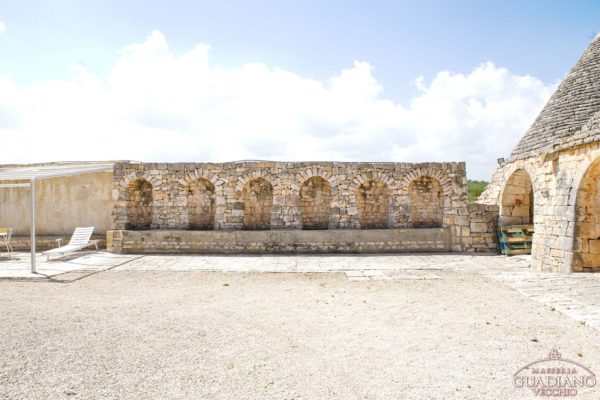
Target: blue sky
x=73, y=48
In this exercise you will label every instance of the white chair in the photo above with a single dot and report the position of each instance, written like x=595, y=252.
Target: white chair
x=5, y=235
x=79, y=240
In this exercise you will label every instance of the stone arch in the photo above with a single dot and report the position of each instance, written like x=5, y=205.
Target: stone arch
x=139, y=204
x=216, y=181
x=315, y=203
x=257, y=196
x=243, y=181
x=201, y=200
x=442, y=178
x=315, y=171
x=516, y=200
x=373, y=176
x=372, y=200
x=586, y=246
x=202, y=174
x=425, y=194
x=126, y=181
x=493, y=192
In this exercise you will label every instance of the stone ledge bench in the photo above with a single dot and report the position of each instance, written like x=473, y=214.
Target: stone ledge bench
x=280, y=241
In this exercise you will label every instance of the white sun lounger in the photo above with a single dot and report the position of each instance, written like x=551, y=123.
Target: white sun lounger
x=79, y=240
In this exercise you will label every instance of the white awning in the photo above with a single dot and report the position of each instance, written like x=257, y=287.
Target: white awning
x=28, y=173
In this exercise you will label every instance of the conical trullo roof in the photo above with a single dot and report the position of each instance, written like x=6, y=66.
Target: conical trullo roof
x=559, y=124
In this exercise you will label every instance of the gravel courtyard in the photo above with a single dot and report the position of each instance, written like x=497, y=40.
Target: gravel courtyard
x=231, y=335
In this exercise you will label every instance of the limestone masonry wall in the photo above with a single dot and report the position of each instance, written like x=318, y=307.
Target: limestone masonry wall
x=282, y=241
x=253, y=196
x=481, y=233
x=566, y=196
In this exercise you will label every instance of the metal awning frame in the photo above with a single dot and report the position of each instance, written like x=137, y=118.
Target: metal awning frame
x=27, y=177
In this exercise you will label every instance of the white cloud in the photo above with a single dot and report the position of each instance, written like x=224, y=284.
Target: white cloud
x=2, y=27
x=155, y=105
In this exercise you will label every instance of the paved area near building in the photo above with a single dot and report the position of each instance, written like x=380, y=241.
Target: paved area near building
x=18, y=266
x=415, y=332
x=576, y=295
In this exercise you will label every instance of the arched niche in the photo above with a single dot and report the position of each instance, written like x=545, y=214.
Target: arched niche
x=139, y=204
x=425, y=194
x=315, y=203
x=258, y=202
x=372, y=200
x=201, y=204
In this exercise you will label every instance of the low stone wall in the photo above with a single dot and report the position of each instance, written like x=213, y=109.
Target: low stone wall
x=281, y=241
x=47, y=242
x=481, y=235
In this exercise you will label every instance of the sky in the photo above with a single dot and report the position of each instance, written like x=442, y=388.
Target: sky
x=213, y=81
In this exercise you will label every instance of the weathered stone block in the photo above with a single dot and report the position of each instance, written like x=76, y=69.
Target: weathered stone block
x=478, y=227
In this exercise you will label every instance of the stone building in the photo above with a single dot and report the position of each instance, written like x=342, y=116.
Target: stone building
x=552, y=177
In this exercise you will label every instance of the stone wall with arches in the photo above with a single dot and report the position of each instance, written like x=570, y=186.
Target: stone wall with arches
x=323, y=196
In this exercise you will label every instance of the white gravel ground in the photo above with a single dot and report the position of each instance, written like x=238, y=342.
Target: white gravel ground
x=211, y=335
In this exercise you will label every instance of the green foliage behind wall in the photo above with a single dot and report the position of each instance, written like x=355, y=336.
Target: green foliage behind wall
x=474, y=189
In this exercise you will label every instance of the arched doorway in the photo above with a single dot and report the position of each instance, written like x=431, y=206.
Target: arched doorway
x=517, y=200
x=586, y=246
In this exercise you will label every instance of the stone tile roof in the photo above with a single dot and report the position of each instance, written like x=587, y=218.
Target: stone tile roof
x=577, y=99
